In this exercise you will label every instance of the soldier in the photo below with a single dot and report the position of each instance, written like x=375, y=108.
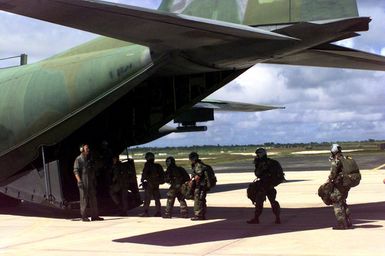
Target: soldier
x=85, y=177
x=176, y=176
x=266, y=170
x=134, y=195
x=152, y=177
x=119, y=185
x=340, y=192
x=199, y=181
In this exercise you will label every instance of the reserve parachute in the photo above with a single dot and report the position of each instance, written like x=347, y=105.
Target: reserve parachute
x=351, y=175
x=325, y=191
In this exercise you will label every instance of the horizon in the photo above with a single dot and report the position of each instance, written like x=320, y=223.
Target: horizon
x=322, y=104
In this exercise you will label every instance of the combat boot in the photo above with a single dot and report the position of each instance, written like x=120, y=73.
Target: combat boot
x=349, y=223
x=253, y=221
x=340, y=226
x=166, y=216
x=97, y=218
x=197, y=218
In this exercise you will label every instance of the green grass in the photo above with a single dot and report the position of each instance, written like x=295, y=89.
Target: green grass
x=214, y=155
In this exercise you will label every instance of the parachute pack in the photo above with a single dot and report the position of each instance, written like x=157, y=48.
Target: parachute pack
x=185, y=176
x=157, y=174
x=351, y=175
x=277, y=174
x=211, y=178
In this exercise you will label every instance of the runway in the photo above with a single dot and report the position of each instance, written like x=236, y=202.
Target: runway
x=305, y=229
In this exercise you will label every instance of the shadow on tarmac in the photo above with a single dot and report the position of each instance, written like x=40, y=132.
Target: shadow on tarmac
x=228, y=224
x=293, y=220
x=36, y=210
x=236, y=186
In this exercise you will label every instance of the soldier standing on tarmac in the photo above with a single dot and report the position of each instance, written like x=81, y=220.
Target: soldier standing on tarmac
x=340, y=192
x=86, y=179
x=152, y=177
x=266, y=170
x=119, y=185
x=199, y=180
x=176, y=176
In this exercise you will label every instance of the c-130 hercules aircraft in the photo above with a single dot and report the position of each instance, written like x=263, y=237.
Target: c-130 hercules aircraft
x=150, y=67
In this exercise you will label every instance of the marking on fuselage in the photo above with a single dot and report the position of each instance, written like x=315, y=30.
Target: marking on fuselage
x=123, y=70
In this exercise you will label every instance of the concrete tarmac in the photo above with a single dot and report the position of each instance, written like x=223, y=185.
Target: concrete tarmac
x=305, y=229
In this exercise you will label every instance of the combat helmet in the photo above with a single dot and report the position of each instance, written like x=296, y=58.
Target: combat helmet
x=261, y=153
x=170, y=161
x=193, y=156
x=149, y=156
x=335, y=149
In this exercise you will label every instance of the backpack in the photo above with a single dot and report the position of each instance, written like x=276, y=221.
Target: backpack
x=184, y=175
x=211, y=178
x=277, y=175
x=351, y=175
x=161, y=175
x=156, y=174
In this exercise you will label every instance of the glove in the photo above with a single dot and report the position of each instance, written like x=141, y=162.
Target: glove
x=80, y=185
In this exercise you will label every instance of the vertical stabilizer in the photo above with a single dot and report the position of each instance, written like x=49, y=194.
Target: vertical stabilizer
x=263, y=12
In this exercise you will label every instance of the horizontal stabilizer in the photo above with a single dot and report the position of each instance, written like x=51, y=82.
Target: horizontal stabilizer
x=329, y=55
x=264, y=12
x=344, y=28
x=219, y=105
x=152, y=28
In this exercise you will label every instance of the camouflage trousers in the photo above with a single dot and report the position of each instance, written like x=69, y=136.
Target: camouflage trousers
x=200, y=206
x=341, y=209
x=171, y=195
x=271, y=194
x=151, y=192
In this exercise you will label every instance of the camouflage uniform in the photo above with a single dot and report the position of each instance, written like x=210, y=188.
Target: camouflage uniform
x=151, y=176
x=200, y=178
x=339, y=194
x=87, y=192
x=265, y=188
x=176, y=176
x=134, y=196
x=120, y=185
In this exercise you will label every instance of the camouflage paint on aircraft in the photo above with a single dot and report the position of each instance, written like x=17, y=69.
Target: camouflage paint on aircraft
x=262, y=12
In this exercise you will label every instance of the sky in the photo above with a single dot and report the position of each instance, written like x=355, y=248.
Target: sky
x=321, y=104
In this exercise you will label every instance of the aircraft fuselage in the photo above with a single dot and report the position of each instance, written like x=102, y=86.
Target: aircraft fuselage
x=44, y=102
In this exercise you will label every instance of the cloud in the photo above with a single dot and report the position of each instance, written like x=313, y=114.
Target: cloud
x=322, y=104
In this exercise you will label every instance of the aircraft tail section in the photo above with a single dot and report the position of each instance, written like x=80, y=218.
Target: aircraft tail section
x=263, y=12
